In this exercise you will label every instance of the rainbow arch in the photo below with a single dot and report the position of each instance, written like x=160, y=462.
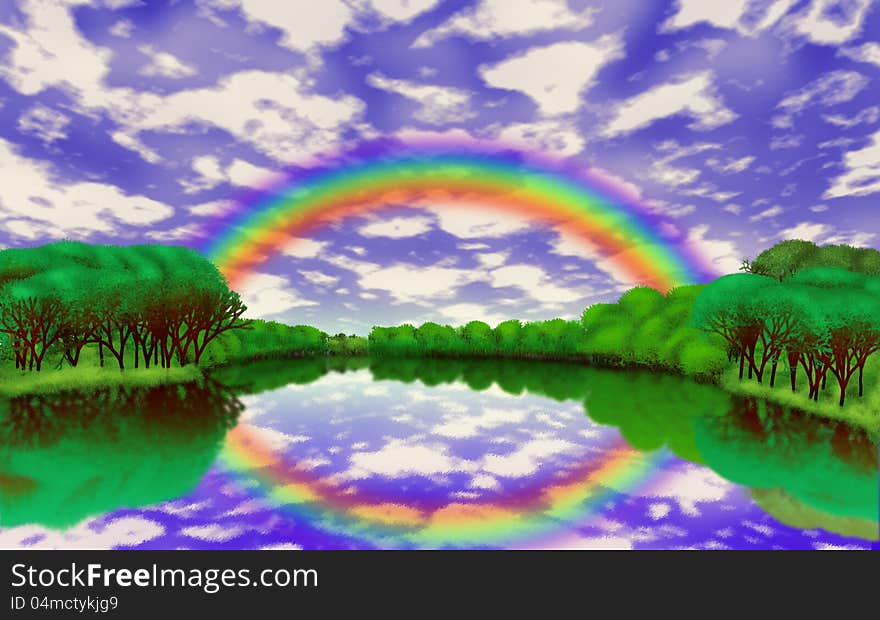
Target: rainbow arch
x=610, y=220
x=533, y=517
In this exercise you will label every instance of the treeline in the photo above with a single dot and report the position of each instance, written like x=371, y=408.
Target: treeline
x=787, y=258
x=648, y=329
x=825, y=321
x=554, y=339
x=264, y=340
x=644, y=329
x=157, y=304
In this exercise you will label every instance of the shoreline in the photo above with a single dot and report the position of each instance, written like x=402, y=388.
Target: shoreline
x=16, y=384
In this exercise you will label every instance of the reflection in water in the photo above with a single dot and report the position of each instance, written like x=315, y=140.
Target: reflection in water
x=439, y=453
x=806, y=471
x=69, y=456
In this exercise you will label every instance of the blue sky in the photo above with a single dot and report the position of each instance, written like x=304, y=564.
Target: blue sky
x=742, y=121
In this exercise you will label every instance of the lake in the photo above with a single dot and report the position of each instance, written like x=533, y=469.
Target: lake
x=350, y=454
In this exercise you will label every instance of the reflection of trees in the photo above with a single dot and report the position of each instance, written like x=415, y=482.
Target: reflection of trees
x=651, y=410
x=787, y=509
x=827, y=466
x=71, y=455
x=265, y=375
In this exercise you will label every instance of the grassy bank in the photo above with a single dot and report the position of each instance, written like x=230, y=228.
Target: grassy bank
x=860, y=412
x=84, y=379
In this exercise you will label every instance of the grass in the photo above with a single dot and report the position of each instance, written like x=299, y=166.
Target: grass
x=14, y=383
x=88, y=375
x=861, y=412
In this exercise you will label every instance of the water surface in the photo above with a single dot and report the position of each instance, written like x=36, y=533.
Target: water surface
x=430, y=454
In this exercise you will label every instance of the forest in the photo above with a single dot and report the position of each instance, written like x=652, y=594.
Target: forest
x=812, y=311
x=147, y=304
x=808, y=312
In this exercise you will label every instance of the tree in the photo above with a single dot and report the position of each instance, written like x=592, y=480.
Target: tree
x=479, y=338
x=727, y=307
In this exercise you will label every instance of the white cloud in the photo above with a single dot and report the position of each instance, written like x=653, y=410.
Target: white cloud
x=526, y=459
x=304, y=25
x=271, y=111
x=664, y=173
x=791, y=141
x=766, y=214
x=246, y=174
x=869, y=115
x=553, y=135
x=731, y=165
x=722, y=254
x=484, y=481
x=274, y=112
x=827, y=90
x=179, y=233
x=862, y=172
x=830, y=22
x=211, y=173
x=212, y=532
x=411, y=283
x=319, y=278
x=46, y=50
x=472, y=222
x=266, y=294
x=534, y=281
x=825, y=234
x=397, y=459
x=438, y=105
x=163, y=64
x=867, y=52
x=122, y=29
x=44, y=123
x=491, y=19
x=210, y=209
x=555, y=76
x=130, y=142
x=460, y=314
x=720, y=14
x=494, y=259
x=401, y=10
x=691, y=486
x=692, y=96
x=90, y=534
x=468, y=424
x=304, y=248
x=57, y=208
x=397, y=227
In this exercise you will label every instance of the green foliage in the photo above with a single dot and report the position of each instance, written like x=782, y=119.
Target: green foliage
x=163, y=303
x=826, y=465
x=124, y=448
x=825, y=320
x=641, y=302
x=702, y=359
x=349, y=346
x=554, y=339
x=270, y=339
x=787, y=258
x=784, y=258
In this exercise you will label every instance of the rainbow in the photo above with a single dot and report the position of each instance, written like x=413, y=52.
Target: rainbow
x=532, y=517
x=609, y=218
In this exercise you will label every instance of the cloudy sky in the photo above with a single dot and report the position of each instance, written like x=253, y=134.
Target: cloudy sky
x=742, y=121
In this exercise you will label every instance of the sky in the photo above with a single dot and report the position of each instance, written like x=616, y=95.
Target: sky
x=740, y=122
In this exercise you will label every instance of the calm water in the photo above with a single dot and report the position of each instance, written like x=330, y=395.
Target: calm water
x=426, y=454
